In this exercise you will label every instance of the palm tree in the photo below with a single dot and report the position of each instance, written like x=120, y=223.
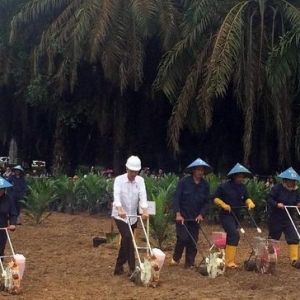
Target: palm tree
x=110, y=35
x=283, y=68
x=224, y=48
x=14, y=111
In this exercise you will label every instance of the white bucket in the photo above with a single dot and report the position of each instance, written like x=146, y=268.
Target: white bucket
x=20, y=260
x=160, y=256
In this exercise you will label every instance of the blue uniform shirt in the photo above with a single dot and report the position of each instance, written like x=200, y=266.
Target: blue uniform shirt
x=232, y=194
x=191, y=199
x=8, y=213
x=279, y=194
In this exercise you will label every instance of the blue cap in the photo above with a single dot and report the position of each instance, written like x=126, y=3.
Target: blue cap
x=238, y=168
x=4, y=183
x=290, y=173
x=198, y=163
x=18, y=167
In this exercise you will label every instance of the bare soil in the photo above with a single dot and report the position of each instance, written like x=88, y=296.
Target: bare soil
x=61, y=263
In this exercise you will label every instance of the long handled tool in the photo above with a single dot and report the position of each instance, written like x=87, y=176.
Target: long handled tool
x=252, y=219
x=264, y=251
x=287, y=207
x=13, y=273
x=242, y=230
x=193, y=240
x=212, y=265
x=147, y=272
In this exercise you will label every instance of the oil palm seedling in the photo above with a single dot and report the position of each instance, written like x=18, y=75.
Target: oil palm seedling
x=96, y=191
x=257, y=191
x=68, y=193
x=161, y=191
x=38, y=200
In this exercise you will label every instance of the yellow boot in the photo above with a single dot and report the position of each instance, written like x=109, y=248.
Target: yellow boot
x=230, y=256
x=293, y=251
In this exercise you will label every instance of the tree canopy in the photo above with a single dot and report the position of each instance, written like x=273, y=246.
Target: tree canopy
x=93, y=81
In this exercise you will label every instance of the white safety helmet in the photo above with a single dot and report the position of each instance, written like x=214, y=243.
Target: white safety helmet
x=133, y=163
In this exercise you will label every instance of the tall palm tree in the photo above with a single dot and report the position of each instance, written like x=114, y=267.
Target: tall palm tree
x=283, y=68
x=110, y=32
x=110, y=35
x=226, y=47
x=13, y=113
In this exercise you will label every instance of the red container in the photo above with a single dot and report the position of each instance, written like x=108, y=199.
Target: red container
x=219, y=239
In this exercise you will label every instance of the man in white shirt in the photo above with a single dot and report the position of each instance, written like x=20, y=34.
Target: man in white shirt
x=129, y=194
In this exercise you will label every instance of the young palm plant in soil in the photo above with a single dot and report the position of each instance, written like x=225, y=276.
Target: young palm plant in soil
x=39, y=197
x=257, y=191
x=160, y=191
x=212, y=213
x=68, y=192
x=96, y=191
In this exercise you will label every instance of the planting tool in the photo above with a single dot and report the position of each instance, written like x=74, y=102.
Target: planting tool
x=254, y=222
x=212, y=265
x=264, y=251
x=147, y=272
x=287, y=207
x=112, y=236
x=252, y=219
x=242, y=230
x=12, y=274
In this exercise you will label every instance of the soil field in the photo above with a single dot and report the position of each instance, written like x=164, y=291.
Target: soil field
x=62, y=264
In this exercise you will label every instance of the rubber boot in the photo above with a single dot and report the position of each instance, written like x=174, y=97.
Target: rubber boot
x=230, y=256
x=293, y=251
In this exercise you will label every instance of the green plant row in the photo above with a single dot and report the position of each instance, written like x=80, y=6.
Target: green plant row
x=93, y=193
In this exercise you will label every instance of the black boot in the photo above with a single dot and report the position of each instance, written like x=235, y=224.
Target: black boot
x=119, y=271
x=296, y=264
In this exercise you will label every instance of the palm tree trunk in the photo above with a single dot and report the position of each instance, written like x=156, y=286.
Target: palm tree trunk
x=119, y=135
x=59, y=151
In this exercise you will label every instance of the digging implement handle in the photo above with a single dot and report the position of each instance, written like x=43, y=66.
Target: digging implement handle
x=286, y=207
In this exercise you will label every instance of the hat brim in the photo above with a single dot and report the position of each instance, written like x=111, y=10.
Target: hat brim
x=133, y=169
x=249, y=175
x=207, y=170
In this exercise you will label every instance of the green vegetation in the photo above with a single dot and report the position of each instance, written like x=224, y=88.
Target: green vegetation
x=93, y=194
x=41, y=193
x=171, y=80
x=160, y=191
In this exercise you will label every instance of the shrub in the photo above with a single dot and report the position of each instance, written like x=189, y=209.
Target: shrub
x=161, y=191
x=40, y=195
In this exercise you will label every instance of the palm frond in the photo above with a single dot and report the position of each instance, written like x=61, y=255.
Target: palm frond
x=188, y=93
x=102, y=28
x=283, y=60
x=34, y=10
x=173, y=66
x=198, y=15
x=166, y=21
x=144, y=12
x=290, y=12
x=226, y=51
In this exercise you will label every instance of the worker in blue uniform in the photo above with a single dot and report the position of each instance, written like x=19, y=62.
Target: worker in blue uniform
x=18, y=190
x=284, y=194
x=8, y=214
x=190, y=203
x=231, y=196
